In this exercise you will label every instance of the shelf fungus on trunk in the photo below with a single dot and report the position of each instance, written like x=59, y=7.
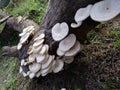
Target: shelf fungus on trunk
x=60, y=36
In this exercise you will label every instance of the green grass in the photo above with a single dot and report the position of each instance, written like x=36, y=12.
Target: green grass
x=10, y=78
x=24, y=7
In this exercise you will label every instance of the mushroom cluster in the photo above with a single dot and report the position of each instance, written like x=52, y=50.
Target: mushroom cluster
x=39, y=61
x=68, y=48
x=102, y=11
x=27, y=32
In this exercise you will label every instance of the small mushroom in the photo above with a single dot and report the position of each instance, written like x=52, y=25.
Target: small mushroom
x=41, y=36
x=105, y=10
x=35, y=67
x=83, y=13
x=40, y=58
x=29, y=28
x=38, y=42
x=31, y=75
x=60, y=31
x=76, y=25
x=31, y=58
x=19, y=46
x=67, y=43
x=50, y=59
x=74, y=50
x=60, y=53
x=59, y=66
x=38, y=73
x=24, y=38
x=68, y=59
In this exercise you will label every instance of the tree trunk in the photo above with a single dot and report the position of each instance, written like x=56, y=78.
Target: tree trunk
x=59, y=11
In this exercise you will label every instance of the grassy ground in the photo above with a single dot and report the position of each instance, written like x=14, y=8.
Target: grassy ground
x=76, y=78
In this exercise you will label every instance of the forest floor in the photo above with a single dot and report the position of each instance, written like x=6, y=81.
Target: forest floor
x=96, y=67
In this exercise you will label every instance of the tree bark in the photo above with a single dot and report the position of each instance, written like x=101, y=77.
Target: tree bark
x=59, y=11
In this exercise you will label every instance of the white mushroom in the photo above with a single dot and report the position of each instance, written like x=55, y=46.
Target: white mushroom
x=68, y=59
x=60, y=31
x=40, y=58
x=31, y=58
x=50, y=59
x=38, y=73
x=59, y=66
x=76, y=25
x=24, y=38
x=74, y=50
x=83, y=13
x=20, y=70
x=60, y=53
x=45, y=71
x=44, y=49
x=36, y=49
x=29, y=28
x=105, y=10
x=38, y=42
x=19, y=46
x=31, y=75
x=35, y=67
x=22, y=62
x=41, y=36
x=67, y=43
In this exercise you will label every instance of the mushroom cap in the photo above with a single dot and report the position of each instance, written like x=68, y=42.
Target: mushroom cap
x=40, y=58
x=105, y=10
x=68, y=59
x=41, y=36
x=38, y=42
x=31, y=75
x=24, y=38
x=58, y=66
x=35, y=67
x=50, y=59
x=19, y=46
x=76, y=25
x=60, y=31
x=82, y=13
x=60, y=53
x=67, y=43
x=74, y=50
x=31, y=58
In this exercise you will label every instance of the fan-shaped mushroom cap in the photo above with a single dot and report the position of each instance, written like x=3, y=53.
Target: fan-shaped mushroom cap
x=50, y=59
x=67, y=43
x=31, y=58
x=31, y=75
x=82, y=13
x=38, y=74
x=59, y=66
x=60, y=31
x=29, y=28
x=74, y=50
x=24, y=38
x=45, y=71
x=44, y=49
x=60, y=53
x=105, y=10
x=41, y=36
x=38, y=42
x=76, y=25
x=40, y=58
x=68, y=59
x=35, y=67
x=19, y=46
